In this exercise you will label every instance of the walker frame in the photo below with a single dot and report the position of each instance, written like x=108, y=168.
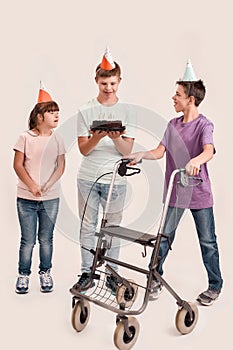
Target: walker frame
x=127, y=326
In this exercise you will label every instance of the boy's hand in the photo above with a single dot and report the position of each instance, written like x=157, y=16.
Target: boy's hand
x=134, y=157
x=98, y=134
x=192, y=168
x=114, y=134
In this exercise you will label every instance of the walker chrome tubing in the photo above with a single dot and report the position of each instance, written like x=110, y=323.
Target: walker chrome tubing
x=110, y=190
x=167, y=200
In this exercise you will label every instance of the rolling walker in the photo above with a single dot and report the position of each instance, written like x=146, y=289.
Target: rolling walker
x=124, y=302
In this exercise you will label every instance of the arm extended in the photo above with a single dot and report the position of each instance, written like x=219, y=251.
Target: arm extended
x=153, y=154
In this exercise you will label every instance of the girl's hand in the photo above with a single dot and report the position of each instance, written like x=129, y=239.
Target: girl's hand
x=45, y=189
x=35, y=190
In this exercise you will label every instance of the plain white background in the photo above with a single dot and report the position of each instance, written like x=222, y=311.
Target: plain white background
x=61, y=44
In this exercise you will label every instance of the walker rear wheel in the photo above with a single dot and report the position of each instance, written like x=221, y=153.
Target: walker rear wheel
x=80, y=317
x=184, y=323
x=121, y=340
x=126, y=296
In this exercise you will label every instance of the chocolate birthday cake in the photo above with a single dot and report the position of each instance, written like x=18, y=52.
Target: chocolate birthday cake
x=107, y=125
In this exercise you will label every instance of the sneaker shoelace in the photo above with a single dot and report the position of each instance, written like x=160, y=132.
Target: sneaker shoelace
x=22, y=281
x=46, y=278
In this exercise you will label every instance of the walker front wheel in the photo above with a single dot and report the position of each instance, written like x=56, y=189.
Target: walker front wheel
x=80, y=315
x=121, y=339
x=125, y=295
x=184, y=323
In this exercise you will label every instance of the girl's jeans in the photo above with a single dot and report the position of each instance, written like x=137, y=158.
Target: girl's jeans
x=205, y=226
x=89, y=222
x=32, y=215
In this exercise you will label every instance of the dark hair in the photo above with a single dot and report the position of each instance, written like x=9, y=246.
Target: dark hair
x=195, y=89
x=41, y=108
x=102, y=73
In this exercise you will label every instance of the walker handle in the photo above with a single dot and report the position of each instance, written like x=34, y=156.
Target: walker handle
x=184, y=179
x=122, y=169
x=128, y=160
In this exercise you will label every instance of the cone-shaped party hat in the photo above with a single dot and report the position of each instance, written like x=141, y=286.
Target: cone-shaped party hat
x=107, y=61
x=43, y=96
x=189, y=74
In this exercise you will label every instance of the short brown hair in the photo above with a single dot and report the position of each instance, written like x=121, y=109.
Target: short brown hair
x=194, y=88
x=102, y=73
x=41, y=108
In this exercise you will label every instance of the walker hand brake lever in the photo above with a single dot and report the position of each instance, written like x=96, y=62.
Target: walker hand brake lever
x=122, y=170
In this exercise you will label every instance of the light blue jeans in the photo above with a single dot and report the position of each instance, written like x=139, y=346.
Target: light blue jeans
x=205, y=226
x=96, y=200
x=36, y=217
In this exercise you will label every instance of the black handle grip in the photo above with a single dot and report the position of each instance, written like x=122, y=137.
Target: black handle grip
x=122, y=170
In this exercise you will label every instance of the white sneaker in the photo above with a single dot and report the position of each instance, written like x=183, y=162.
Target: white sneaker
x=46, y=282
x=156, y=290
x=22, y=284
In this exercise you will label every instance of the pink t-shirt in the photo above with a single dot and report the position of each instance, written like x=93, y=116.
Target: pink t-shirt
x=40, y=161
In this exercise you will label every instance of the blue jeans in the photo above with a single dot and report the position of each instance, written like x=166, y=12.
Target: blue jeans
x=97, y=199
x=33, y=214
x=205, y=226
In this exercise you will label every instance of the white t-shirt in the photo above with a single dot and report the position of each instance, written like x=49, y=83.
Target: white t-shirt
x=103, y=157
x=40, y=161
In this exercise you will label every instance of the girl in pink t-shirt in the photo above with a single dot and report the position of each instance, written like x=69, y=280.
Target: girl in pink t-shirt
x=39, y=163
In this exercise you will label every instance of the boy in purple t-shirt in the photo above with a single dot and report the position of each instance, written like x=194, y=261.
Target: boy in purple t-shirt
x=188, y=143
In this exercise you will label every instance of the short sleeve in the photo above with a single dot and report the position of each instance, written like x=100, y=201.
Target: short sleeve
x=82, y=127
x=61, y=146
x=130, y=122
x=165, y=138
x=20, y=144
x=207, y=135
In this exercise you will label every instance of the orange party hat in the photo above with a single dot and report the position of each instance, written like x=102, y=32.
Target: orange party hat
x=107, y=61
x=43, y=95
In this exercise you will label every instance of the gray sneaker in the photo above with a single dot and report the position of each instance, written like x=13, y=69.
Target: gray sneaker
x=208, y=297
x=22, y=284
x=156, y=290
x=46, y=282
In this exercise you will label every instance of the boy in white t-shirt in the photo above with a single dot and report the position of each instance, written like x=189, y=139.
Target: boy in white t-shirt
x=101, y=150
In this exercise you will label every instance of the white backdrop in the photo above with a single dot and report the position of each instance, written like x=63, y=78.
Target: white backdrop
x=61, y=43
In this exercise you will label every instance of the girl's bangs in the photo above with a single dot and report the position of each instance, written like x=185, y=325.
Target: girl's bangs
x=50, y=106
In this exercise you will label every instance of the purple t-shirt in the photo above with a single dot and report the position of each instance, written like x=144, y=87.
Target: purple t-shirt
x=184, y=141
